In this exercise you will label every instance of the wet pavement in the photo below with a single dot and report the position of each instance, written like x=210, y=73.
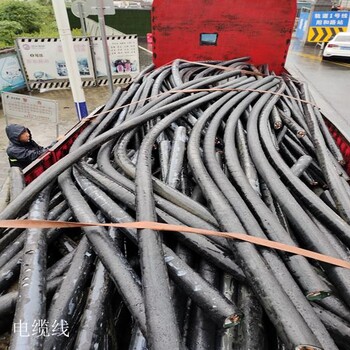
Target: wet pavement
x=329, y=83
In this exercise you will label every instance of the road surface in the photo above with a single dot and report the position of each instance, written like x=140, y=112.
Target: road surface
x=328, y=81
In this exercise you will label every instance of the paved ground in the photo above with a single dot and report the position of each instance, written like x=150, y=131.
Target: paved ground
x=329, y=82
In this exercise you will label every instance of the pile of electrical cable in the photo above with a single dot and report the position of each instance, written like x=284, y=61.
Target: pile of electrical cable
x=217, y=146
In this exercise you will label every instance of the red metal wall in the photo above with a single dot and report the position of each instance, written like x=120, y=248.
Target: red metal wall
x=259, y=29
x=342, y=143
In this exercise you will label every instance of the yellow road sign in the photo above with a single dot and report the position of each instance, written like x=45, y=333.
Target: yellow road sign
x=323, y=34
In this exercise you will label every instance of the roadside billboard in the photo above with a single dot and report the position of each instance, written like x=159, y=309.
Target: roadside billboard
x=44, y=60
x=45, y=67
x=123, y=55
x=11, y=76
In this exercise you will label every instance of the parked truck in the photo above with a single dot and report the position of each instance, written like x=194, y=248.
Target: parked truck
x=206, y=206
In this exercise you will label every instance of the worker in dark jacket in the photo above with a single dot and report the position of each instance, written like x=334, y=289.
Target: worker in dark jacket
x=22, y=150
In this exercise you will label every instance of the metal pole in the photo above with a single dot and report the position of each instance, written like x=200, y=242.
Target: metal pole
x=21, y=64
x=3, y=106
x=82, y=18
x=70, y=57
x=57, y=123
x=101, y=21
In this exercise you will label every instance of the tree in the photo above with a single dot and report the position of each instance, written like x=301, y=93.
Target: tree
x=30, y=15
x=34, y=18
x=9, y=30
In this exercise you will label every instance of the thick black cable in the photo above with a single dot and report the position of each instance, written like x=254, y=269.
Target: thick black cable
x=265, y=286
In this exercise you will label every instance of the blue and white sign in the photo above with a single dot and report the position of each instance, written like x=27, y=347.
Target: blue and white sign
x=302, y=25
x=11, y=77
x=330, y=19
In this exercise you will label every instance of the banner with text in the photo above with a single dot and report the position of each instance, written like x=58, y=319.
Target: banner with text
x=26, y=109
x=123, y=55
x=43, y=58
x=324, y=25
x=44, y=62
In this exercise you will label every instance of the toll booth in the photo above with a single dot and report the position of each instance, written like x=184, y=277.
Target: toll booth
x=202, y=30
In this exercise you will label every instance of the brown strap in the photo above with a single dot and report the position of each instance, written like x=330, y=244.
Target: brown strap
x=165, y=227
x=241, y=90
x=189, y=91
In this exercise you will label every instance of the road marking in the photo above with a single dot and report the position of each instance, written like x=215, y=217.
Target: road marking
x=319, y=58
x=347, y=65
x=310, y=56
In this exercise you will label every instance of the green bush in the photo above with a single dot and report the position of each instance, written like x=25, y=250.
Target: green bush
x=30, y=15
x=34, y=19
x=9, y=30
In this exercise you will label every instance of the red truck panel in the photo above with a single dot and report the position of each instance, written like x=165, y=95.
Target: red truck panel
x=342, y=143
x=56, y=152
x=259, y=29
